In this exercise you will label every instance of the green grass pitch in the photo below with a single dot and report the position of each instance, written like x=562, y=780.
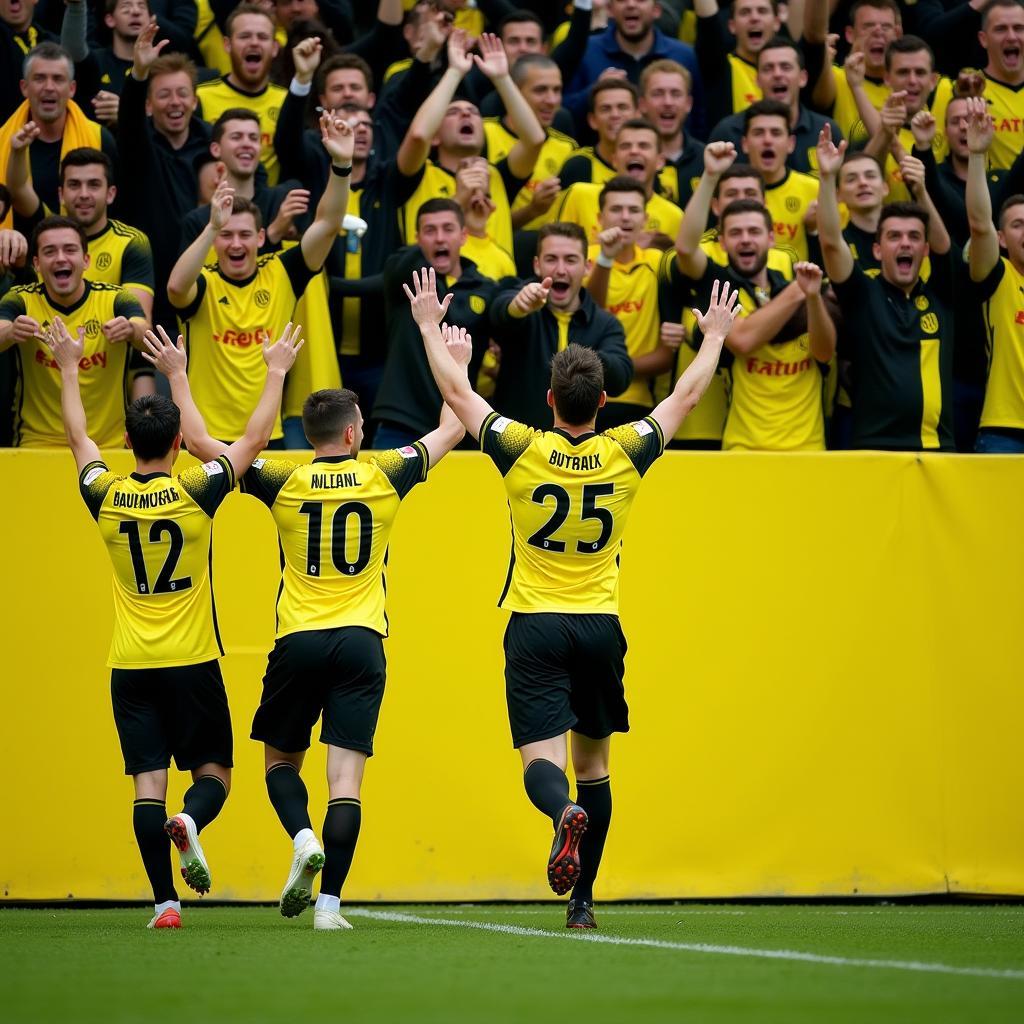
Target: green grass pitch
x=708, y=963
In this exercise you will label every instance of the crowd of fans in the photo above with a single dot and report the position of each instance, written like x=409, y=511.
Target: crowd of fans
x=183, y=163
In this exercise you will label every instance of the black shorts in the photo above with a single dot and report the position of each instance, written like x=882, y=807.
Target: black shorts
x=180, y=711
x=339, y=672
x=564, y=672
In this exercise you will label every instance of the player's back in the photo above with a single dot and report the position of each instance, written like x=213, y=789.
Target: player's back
x=158, y=529
x=334, y=518
x=569, y=499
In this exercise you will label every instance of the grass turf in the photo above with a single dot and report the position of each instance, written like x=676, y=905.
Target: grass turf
x=249, y=964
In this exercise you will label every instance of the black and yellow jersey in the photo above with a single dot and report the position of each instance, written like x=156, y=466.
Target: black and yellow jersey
x=581, y=205
x=1002, y=293
x=569, y=498
x=1006, y=105
x=121, y=255
x=334, y=517
x=224, y=328
x=219, y=95
x=491, y=260
x=633, y=301
x=210, y=40
x=586, y=165
x=556, y=149
x=102, y=370
x=158, y=530
x=788, y=201
x=743, y=82
x=845, y=112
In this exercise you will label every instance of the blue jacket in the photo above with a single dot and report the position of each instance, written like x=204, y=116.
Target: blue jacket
x=604, y=52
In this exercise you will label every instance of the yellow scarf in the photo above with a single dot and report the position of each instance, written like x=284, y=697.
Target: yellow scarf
x=78, y=131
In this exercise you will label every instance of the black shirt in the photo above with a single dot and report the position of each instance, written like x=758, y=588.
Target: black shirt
x=901, y=347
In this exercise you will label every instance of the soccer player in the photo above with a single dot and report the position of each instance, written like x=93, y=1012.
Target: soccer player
x=334, y=518
x=165, y=679
x=999, y=286
x=569, y=491
x=229, y=307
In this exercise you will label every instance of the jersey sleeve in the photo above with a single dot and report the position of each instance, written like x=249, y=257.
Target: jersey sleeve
x=505, y=440
x=189, y=311
x=642, y=441
x=12, y=305
x=294, y=264
x=126, y=305
x=982, y=291
x=265, y=478
x=404, y=467
x=208, y=485
x=137, y=265
x=94, y=482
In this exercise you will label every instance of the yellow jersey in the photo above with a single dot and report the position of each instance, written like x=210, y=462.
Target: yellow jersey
x=1004, y=323
x=316, y=365
x=1006, y=105
x=219, y=95
x=745, y=89
x=580, y=206
x=553, y=154
x=102, y=370
x=158, y=530
x=334, y=517
x=224, y=328
x=209, y=39
x=436, y=181
x=633, y=301
x=569, y=499
x=122, y=256
x=844, y=109
x=491, y=260
x=787, y=202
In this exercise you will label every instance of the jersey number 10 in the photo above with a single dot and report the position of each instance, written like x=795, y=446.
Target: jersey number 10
x=339, y=536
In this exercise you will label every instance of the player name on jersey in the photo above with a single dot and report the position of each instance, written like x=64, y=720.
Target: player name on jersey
x=127, y=499
x=579, y=463
x=330, y=480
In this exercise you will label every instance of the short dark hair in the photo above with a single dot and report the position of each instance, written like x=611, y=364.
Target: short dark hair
x=907, y=44
x=242, y=205
x=56, y=223
x=172, y=64
x=738, y=206
x=908, y=210
x=232, y=114
x=517, y=16
x=993, y=4
x=521, y=68
x=48, y=51
x=640, y=124
x=85, y=155
x=765, y=108
x=152, y=422
x=853, y=155
x=607, y=84
x=577, y=380
x=739, y=171
x=441, y=204
x=878, y=5
x=622, y=183
x=246, y=8
x=781, y=42
x=343, y=62
x=111, y=5
x=563, y=229
x=326, y=414
x=1014, y=200
x=774, y=3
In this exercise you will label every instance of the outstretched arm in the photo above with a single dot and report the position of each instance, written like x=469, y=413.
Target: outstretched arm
x=984, y=252
x=913, y=173
x=23, y=195
x=821, y=331
x=715, y=324
x=67, y=351
x=690, y=257
x=182, y=286
x=448, y=351
x=834, y=250
x=339, y=141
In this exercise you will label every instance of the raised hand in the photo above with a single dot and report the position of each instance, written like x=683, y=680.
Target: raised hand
x=169, y=358
x=220, y=205
x=338, y=138
x=545, y=193
x=423, y=298
x=295, y=204
x=25, y=328
x=459, y=57
x=306, y=57
x=808, y=277
x=980, y=126
x=144, y=52
x=922, y=127
x=830, y=156
x=25, y=136
x=458, y=342
x=492, y=61
x=13, y=249
x=719, y=157
x=612, y=242
x=67, y=351
x=894, y=112
x=854, y=68
x=721, y=312
x=105, y=106
x=531, y=297
x=912, y=173
x=118, y=329
x=281, y=354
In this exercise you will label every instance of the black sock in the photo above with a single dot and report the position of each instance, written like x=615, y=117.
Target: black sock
x=547, y=787
x=204, y=799
x=289, y=797
x=148, y=817
x=341, y=830
x=595, y=797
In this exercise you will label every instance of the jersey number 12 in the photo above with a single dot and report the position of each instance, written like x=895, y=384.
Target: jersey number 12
x=165, y=582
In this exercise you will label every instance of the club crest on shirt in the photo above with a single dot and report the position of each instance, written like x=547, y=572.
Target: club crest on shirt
x=262, y=298
x=792, y=204
x=104, y=260
x=929, y=323
x=477, y=304
x=921, y=302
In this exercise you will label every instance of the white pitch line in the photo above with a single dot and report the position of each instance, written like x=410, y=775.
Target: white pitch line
x=693, y=947
x=803, y=911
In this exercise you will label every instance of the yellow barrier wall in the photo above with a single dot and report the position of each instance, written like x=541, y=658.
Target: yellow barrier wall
x=824, y=671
